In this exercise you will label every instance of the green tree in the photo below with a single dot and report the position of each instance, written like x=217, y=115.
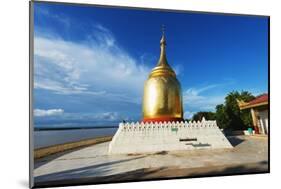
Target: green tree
x=221, y=116
x=207, y=115
x=228, y=115
x=246, y=114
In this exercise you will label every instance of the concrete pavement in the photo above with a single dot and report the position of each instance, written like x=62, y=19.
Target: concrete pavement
x=94, y=162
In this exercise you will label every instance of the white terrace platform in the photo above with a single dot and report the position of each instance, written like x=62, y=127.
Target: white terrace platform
x=134, y=138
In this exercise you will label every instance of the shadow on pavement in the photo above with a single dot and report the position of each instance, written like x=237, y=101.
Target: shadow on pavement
x=161, y=173
x=235, y=140
x=84, y=171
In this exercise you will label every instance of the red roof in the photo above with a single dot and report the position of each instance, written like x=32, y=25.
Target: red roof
x=259, y=99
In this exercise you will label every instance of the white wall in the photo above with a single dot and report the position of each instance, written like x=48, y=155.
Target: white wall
x=156, y=137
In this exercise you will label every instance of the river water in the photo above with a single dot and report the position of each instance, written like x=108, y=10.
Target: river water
x=53, y=137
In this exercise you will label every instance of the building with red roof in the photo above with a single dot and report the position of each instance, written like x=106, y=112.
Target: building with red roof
x=259, y=112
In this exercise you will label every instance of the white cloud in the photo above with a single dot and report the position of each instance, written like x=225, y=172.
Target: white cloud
x=108, y=116
x=50, y=112
x=102, y=116
x=97, y=67
x=194, y=98
x=178, y=68
x=61, y=18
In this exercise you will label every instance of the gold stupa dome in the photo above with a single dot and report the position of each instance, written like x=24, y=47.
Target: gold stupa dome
x=162, y=98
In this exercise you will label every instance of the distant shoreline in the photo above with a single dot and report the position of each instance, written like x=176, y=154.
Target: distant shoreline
x=72, y=128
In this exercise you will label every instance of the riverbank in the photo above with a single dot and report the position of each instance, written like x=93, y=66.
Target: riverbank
x=47, y=151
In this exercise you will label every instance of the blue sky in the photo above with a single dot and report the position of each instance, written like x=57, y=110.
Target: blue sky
x=91, y=62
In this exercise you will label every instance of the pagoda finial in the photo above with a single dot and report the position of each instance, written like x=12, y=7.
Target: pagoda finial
x=163, y=60
x=163, y=39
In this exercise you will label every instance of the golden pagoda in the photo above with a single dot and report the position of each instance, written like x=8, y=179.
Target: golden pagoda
x=162, y=99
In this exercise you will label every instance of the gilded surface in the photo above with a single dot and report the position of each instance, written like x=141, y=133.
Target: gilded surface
x=162, y=92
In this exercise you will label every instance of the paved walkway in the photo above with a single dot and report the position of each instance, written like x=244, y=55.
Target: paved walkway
x=91, y=162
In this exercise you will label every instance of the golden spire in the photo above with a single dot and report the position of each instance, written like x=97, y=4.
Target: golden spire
x=162, y=66
x=163, y=60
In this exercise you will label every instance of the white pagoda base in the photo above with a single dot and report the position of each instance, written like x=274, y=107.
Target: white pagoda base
x=135, y=138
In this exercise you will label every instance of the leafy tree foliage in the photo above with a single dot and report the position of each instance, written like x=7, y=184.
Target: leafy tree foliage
x=207, y=115
x=221, y=116
x=229, y=116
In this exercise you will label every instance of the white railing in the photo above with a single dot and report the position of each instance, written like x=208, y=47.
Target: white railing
x=147, y=126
